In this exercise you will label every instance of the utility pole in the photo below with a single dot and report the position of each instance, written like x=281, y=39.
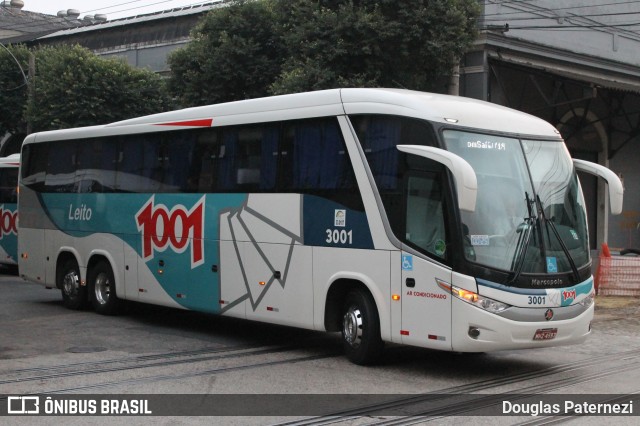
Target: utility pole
x=31, y=88
x=17, y=62
x=454, y=82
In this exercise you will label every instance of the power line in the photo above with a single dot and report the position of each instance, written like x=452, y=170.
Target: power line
x=134, y=8
x=617, y=3
x=115, y=5
x=566, y=27
x=38, y=19
x=571, y=18
x=533, y=18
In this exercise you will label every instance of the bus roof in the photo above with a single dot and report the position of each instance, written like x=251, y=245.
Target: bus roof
x=12, y=160
x=461, y=111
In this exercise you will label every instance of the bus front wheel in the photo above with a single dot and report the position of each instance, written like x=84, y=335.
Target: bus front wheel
x=102, y=289
x=361, y=329
x=74, y=295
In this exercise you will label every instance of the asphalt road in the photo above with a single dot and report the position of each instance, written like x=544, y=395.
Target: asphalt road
x=46, y=349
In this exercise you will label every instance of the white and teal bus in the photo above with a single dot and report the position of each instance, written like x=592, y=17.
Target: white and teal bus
x=389, y=215
x=9, y=167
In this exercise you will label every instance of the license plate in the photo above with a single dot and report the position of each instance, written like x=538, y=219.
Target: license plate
x=545, y=334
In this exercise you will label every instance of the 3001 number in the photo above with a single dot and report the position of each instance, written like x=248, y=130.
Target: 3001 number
x=339, y=236
x=536, y=300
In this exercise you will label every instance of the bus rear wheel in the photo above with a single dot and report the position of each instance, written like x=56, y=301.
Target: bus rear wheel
x=74, y=295
x=102, y=289
x=361, y=329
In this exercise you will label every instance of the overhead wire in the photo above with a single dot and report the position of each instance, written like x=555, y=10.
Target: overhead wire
x=571, y=24
x=583, y=6
x=38, y=19
x=533, y=18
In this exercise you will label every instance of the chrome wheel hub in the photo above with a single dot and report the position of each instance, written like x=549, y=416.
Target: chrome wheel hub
x=352, y=326
x=70, y=283
x=102, y=288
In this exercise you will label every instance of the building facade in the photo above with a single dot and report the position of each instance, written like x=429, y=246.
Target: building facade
x=575, y=64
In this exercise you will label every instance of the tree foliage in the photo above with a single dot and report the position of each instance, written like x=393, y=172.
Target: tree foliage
x=14, y=62
x=386, y=43
x=258, y=48
x=73, y=88
x=235, y=54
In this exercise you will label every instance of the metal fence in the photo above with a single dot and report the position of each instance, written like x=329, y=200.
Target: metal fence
x=618, y=276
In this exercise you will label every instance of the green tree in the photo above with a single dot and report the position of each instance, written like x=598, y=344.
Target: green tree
x=14, y=61
x=236, y=53
x=263, y=47
x=385, y=43
x=73, y=88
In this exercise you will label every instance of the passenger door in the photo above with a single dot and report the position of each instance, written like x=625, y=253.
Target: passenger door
x=426, y=307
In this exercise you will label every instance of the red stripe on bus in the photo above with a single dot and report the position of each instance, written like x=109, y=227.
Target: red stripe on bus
x=205, y=122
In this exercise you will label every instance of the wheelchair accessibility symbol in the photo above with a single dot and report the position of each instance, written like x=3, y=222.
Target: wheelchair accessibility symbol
x=407, y=262
x=552, y=265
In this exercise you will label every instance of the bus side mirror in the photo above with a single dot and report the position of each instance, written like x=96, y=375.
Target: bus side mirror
x=463, y=173
x=616, y=191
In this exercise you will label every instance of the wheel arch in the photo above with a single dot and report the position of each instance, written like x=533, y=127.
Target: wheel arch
x=65, y=254
x=97, y=256
x=336, y=294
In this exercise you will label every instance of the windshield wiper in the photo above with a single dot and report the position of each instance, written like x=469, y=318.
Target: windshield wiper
x=553, y=227
x=524, y=229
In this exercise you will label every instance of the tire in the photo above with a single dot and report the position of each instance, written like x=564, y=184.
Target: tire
x=74, y=295
x=102, y=289
x=361, y=329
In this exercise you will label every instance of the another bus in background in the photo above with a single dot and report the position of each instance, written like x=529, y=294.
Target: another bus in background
x=9, y=167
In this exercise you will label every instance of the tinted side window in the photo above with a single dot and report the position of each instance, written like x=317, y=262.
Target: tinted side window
x=425, y=215
x=314, y=160
x=204, y=164
x=301, y=156
x=409, y=185
x=178, y=155
x=34, y=165
x=8, y=185
x=96, y=165
x=140, y=164
x=61, y=167
x=380, y=134
x=246, y=160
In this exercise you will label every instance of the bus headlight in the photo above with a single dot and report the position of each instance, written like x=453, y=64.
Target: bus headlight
x=588, y=301
x=475, y=299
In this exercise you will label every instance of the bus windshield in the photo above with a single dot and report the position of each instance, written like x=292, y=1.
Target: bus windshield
x=530, y=215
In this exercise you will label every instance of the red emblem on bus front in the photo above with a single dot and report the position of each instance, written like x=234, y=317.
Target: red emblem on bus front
x=568, y=294
x=177, y=229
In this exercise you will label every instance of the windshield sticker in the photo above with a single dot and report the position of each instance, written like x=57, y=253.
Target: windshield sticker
x=340, y=218
x=479, y=240
x=499, y=146
x=552, y=265
x=440, y=247
x=574, y=234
